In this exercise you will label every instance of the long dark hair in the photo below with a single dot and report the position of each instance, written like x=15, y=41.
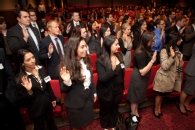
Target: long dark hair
x=146, y=37
x=20, y=69
x=125, y=18
x=105, y=56
x=71, y=62
x=171, y=39
x=139, y=24
x=91, y=30
x=103, y=29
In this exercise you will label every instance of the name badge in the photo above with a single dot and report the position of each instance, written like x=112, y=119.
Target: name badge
x=1, y=66
x=47, y=79
x=42, y=30
x=122, y=66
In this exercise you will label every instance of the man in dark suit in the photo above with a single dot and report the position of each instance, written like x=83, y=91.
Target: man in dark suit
x=189, y=39
x=34, y=23
x=22, y=36
x=169, y=22
x=71, y=24
x=178, y=27
x=151, y=26
x=138, y=17
x=52, y=48
x=9, y=109
x=109, y=20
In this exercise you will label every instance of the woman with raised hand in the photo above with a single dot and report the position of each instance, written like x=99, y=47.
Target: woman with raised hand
x=34, y=91
x=77, y=83
x=168, y=78
x=125, y=43
x=143, y=60
x=110, y=84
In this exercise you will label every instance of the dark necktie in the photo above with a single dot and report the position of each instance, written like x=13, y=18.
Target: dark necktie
x=29, y=34
x=58, y=47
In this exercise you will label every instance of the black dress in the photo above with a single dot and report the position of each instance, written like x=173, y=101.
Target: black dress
x=138, y=84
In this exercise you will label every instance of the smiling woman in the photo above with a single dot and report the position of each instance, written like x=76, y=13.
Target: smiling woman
x=77, y=83
x=35, y=91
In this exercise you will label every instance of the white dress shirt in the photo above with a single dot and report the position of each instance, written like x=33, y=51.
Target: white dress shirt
x=60, y=43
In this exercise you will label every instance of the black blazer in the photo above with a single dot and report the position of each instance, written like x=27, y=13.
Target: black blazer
x=105, y=79
x=7, y=83
x=172, y=29
x=41, y=29
x=111, y=26
x=167, y=24
x=15, y=40
x=190, y=69
x=136, y=39
x=189, y=39
x=75, y=97
x=41, y=99
x=71, y=29
x=54, y=61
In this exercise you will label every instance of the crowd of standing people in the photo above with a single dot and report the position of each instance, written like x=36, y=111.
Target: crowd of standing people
x=39, y=53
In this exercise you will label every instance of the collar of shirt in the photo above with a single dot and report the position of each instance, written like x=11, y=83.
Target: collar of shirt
x=170, y=20
x=37, y=67
x=109, y=22
x=75, y=23
x=157, y=31
x=178, y=27
x=52, y=37
x=33, y=24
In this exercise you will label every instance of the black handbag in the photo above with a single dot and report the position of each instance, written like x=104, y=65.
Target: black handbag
x=130, y=124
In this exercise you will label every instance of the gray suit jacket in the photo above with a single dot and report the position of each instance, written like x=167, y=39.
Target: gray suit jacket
x=189, y=40
x=190, y=69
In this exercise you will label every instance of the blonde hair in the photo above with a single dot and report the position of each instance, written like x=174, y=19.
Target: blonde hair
x=50, y=22
x=124, y=27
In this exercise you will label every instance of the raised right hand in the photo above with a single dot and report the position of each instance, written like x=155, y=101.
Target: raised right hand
x=65, y=74
x=68, y=27
x=154, y=57
x=50, y=49
x=25, y=33
x=26, y=82
x=172, y=52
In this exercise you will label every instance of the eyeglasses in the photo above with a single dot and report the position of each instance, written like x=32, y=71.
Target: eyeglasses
x=32, y=15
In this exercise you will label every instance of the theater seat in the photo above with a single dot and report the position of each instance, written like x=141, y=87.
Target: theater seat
x=93, y=58
x=150, y=91
x=55, y=85
x=24, y=115
x=128, y=72
x=132, y=56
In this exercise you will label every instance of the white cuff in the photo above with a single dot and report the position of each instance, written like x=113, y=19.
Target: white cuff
x=68, y=83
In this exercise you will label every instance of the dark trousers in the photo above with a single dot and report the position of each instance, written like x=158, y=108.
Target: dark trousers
x=109, y=111
x=48, y=117
x=10, y=118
